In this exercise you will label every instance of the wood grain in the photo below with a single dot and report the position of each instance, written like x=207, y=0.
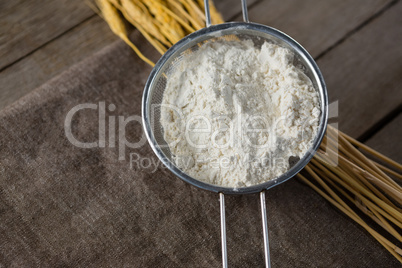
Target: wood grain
x=32, y=71
x=77, y=44
x=364, y=73
x=230, y=8
x=27, y=25
x=316, y=25
x=388, y=140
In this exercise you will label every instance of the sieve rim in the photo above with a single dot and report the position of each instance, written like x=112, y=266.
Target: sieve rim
x=213, y=31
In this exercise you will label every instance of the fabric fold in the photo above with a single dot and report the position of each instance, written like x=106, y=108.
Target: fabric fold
x=62, y=204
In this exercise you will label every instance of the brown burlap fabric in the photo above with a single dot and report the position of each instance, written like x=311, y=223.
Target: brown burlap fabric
x=64, y=206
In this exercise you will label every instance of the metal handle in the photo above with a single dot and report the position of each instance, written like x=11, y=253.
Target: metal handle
x=221, y=195
x=244, y=10
x=223, y=231
x=264, y=229
x=208, y=13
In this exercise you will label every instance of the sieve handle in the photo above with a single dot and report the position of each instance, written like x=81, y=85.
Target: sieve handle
x=208, y=13
x=223, y=230
x=264, y=229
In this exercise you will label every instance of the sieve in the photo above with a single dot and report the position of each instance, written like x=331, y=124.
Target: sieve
x=156, y=84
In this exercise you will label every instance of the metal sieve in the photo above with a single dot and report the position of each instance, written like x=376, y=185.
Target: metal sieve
x=156, y=84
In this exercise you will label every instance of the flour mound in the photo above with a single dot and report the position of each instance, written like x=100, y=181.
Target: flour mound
x=234, y=114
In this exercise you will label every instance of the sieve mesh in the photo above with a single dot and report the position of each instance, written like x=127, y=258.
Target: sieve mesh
x=233, y=32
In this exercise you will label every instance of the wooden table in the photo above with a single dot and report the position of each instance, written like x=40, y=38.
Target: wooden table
x=357, y=44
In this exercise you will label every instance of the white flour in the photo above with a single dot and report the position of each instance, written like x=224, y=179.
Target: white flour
x=234, y=114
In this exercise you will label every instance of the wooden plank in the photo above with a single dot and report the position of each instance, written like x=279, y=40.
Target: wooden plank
x=388, y=140
x=26, y=25
x=316, y=25
x=32, y=71
x=52, y=59
x=230, y=8
x=364, y=73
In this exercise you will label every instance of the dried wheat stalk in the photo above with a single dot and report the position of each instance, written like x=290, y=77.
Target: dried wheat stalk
x=339, y=171
x=360, y=180
x=161, y=22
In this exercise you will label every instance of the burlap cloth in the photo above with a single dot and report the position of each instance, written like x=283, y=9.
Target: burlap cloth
x=64, y=206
